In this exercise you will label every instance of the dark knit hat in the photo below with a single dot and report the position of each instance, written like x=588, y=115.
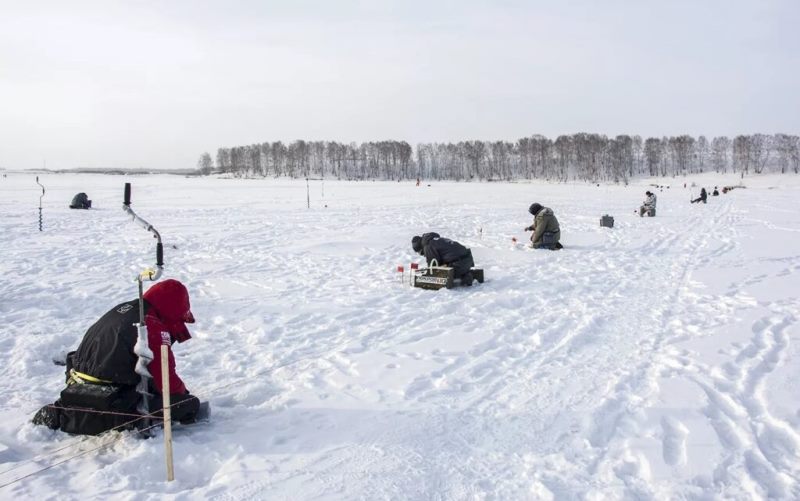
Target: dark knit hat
x=535, y=208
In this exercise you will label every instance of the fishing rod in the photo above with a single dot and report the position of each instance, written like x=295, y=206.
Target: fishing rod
x=142, y=349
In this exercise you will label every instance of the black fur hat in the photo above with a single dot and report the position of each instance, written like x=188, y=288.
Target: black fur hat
x=535, y=208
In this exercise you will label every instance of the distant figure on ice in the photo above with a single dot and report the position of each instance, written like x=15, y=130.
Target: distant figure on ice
x=545, y=228
x=80, y=201
x=446, y=252
x=649, y=205
x=702, y=198
x=715, y=193
x=101, y=376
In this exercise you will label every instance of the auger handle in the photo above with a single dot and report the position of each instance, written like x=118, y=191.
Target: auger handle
x=148, y=274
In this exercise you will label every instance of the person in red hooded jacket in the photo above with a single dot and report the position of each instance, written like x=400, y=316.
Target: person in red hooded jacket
x=106, y=361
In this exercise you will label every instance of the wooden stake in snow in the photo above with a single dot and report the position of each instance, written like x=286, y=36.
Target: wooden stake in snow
x=166, y=411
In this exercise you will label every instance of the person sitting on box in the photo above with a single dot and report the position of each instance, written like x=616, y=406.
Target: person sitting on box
x=649, y=205
x=101, y=375
x=446, y=252
x=545, y=228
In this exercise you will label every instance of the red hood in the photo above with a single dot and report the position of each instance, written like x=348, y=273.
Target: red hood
x=169, y=301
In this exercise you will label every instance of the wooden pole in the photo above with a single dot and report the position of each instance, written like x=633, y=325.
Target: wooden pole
x=166, y=411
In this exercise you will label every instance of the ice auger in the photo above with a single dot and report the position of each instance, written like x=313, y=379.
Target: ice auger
x=141, y=349
x=40, y=203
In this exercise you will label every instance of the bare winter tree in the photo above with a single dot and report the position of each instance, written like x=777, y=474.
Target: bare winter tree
x=794, y=153
x=404, y=152
x=589, y=150
x=541, y=156
x=682, y=149
x=205, y=165
x=253, y=160
x=564, y=154
x=787, y=152
x=638, y=156
x=524, y=151
x=760, y=149
x=224, y=160
x=701, y=153
x=741, y=154
x=264, y=160
x=720, y=150
x=667, y=158
x=652, y=153
x=279, y=154
x=621, y=158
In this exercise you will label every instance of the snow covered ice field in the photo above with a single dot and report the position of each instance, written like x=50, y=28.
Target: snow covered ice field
x=655, y=360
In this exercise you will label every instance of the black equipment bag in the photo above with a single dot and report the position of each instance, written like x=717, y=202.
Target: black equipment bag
x=93, y=396
x=120, y=413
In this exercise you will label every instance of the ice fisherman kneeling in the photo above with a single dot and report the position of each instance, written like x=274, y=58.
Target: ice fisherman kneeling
x=445, y=252
x=106, y=360
x=545, y=228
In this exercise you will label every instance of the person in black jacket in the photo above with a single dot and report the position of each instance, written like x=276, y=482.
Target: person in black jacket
x=101, y=374
x=80, y=201
x=445, y=252
x=702, y=198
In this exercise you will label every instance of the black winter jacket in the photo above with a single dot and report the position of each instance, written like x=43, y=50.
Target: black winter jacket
x=443, y=250
x=106, y=351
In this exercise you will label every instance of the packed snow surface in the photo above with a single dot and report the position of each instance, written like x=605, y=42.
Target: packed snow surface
x=657, y=359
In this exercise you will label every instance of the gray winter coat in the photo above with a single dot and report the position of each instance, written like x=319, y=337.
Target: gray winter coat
x=545, y=221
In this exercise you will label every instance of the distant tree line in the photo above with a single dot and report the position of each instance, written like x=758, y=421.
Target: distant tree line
x=582, y=156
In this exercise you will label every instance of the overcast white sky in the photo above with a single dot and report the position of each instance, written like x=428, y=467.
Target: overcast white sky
x=157, y=83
